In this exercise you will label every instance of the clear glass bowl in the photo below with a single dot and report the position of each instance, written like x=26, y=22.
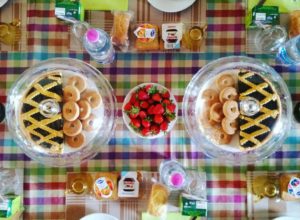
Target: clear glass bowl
x=104, y=114
x=233, y=154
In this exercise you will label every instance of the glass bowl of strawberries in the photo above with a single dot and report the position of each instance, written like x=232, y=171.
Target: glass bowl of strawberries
x=149, y=110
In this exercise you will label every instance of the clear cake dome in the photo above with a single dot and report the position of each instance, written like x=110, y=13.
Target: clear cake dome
x=61, y=111
x=237, y=109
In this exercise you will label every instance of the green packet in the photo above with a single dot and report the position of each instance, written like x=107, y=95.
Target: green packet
x=10, y=206
x=266, y=15
x=70, y=9
x=192, y=206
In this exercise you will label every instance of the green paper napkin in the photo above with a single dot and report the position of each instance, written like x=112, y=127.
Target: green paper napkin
x=108, y=5
x=285, y=6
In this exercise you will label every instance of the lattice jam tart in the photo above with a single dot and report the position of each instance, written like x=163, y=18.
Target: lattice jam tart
x=240, y=109
x=60, y=112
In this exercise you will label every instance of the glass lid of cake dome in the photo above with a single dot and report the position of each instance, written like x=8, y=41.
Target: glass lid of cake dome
x=237, y=109
x=61, y=111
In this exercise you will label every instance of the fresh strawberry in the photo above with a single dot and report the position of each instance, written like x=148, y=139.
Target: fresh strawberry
x=158, y=109
x=135, y=123
x=133, y=98
x=134, y=112
x=142, y=114
x=150, y=110
x=164, y=126
x=128, y=107
x=144, y=104
x=154, y=129
x=146, y=123
x=166, y=102
x=165, y=94
x=150, y=101
x=136, y=104
x=170, y=117
x=156, y=97
x=158, y=119
x=171, y=108
x=148, y=88
x=145, y=132
x=143, y=95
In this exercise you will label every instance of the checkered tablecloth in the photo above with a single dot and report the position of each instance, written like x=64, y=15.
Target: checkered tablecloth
x=45, y=37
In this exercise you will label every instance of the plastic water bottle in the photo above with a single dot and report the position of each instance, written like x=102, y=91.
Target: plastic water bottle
x=289, y=53
x=97, y=43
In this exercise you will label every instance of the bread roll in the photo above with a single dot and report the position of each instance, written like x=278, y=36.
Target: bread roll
x=157, y=205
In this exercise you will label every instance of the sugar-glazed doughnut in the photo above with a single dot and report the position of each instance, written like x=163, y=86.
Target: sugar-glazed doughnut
x=78, y=82
x=70, y=111
x=72, y=128
x=75, y=141
x=221, y=137
x=229, y=126
x=210, y=96
x=85, y=109
x=228, y=93
x=231, y=109
x=216, y=113
x=89, y=124
x=71, y=93
x=225, y=80
x=93, y=97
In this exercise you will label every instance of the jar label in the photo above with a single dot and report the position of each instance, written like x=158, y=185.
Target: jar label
x=294, y=187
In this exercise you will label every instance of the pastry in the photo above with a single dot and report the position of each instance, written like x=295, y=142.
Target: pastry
x=84, y=108
x=43, y=129
x=70, y=111
x=72, y=128
x=71, y=93
x=228, y=93
x=157, y=205
x=231, y=109
x=78, y=82
x=225, y=80
x=229, y=126
x=255, y=129
x=221, y=137
x=294, y=27
x=89, y=124
x=75, y=141
x=210, y=96
x=216, y=113
x=93, y=97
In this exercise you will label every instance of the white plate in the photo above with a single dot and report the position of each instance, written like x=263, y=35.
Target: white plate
x=99, y=216
x=2, y=2
x=171, y=5
x=285, y=218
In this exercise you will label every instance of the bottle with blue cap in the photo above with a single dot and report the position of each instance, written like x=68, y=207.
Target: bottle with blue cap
x=97, y=43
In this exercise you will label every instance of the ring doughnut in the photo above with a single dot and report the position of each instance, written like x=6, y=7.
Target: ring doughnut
x=221, y=137
x=215, y=112
x=229, y=126
x=89, y=124
x=75, y=141
x=228, y=93
x=78, y=82
x=72, y=128
x=70, y=111
x=84, y=108
x=225, y=80
x=231, y=109
x=210, y=96
x=71, y=93
x=92, y=97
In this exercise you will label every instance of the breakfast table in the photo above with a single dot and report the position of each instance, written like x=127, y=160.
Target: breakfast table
x=44, y=37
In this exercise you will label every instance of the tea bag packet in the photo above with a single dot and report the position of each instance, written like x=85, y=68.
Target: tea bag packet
x=10, y=33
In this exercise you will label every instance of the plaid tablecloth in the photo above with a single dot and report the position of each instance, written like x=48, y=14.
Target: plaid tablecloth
x=45, y=37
